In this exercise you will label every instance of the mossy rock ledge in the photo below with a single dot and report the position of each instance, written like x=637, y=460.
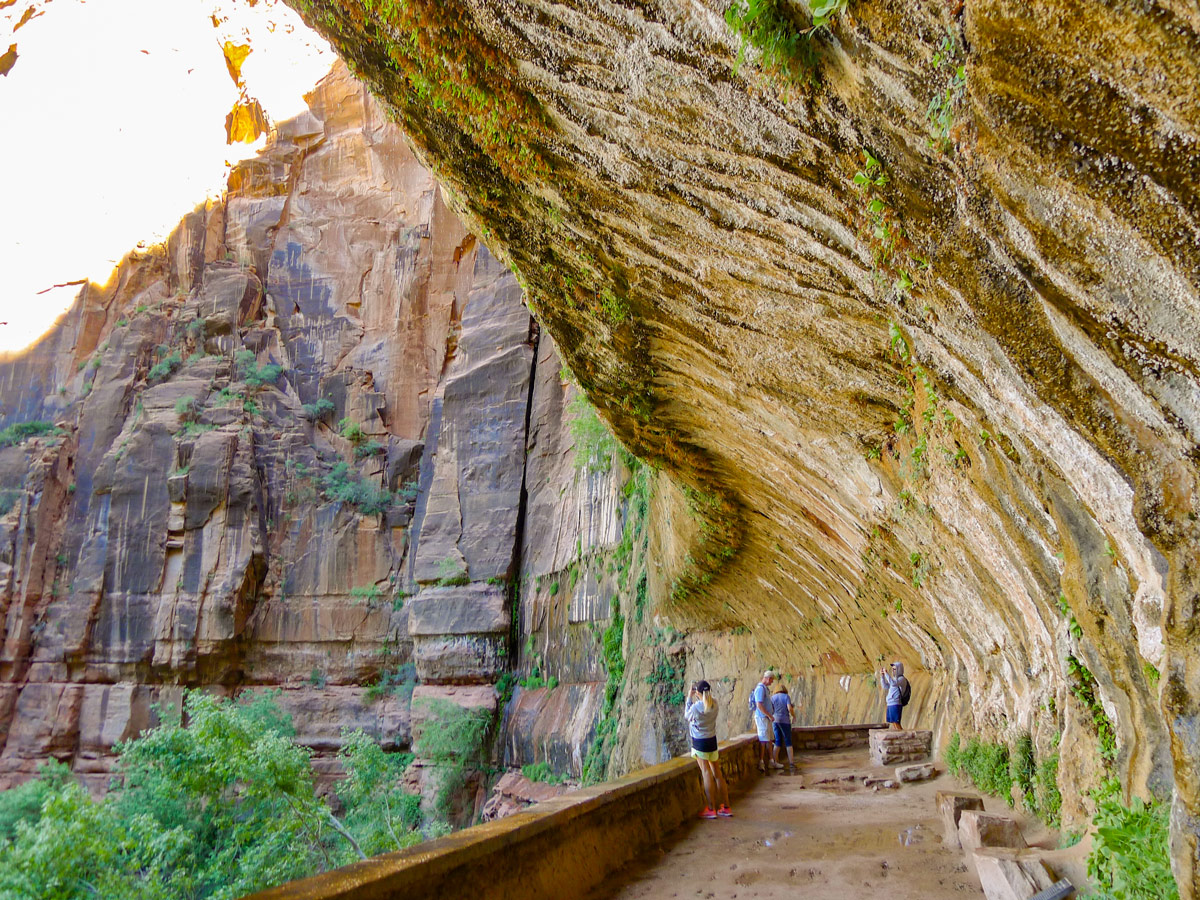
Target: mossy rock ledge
x=946, y=411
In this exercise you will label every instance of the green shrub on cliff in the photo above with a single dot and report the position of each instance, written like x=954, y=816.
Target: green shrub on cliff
x=452, y=740
x=1049, y=799
x=785, y=46
x=317, y=411
x=1130, y=858
x=541, y=771
x=595, y=446
x=984, y=765
x=254, y=375
x=344, y=485
x=165, y=366
x=20, y=431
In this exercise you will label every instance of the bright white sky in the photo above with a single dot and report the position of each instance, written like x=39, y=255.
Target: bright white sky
x=105, y=145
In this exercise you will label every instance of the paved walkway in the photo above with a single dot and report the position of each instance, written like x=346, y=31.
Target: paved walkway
x=812, y=836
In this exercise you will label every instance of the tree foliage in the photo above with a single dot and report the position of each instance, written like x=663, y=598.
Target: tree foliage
x=217, y=808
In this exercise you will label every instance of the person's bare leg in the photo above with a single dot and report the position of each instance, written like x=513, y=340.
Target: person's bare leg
x=722, y=786
x=791, y=757
x=710, y=790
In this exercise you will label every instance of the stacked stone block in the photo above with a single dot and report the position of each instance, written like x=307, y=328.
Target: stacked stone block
x=890, y=747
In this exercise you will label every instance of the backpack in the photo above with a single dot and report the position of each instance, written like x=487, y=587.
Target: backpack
x=753, y=705
x=905, y=691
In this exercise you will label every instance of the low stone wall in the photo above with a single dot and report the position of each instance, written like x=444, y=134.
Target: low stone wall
x=831, y=737
x=891, y=747
x=556, y=849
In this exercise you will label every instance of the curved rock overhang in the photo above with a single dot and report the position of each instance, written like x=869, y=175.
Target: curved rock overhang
x=922, y=353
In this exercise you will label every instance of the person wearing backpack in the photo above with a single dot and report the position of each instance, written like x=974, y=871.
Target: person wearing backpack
x=899, y=692
x=760, y=705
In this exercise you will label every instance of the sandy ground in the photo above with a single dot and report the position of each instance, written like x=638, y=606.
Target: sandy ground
x=792, y=836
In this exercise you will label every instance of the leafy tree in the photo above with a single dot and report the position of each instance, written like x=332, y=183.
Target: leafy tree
x=219, y=808
x=452, y=739
x=379, y=812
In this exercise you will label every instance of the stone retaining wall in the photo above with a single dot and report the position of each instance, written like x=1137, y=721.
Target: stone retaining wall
x=559, y=848
x=831, y=737
x=891, y=747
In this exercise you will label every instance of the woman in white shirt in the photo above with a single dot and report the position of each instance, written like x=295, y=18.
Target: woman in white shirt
x=700, y=710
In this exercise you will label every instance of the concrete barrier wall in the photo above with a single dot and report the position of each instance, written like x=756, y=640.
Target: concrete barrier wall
x=555, y=850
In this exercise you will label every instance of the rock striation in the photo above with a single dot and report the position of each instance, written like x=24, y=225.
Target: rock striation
x=911, y=323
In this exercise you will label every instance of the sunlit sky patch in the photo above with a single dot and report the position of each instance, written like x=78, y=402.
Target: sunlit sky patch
x=114, y=128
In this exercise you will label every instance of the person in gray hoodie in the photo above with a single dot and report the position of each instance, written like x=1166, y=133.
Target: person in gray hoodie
x=895, y=684
x=700, y=711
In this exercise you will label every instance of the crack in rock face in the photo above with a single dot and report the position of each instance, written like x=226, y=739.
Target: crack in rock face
x=916, y=332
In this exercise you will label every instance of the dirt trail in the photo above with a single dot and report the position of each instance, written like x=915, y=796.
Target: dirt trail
x=792, y=836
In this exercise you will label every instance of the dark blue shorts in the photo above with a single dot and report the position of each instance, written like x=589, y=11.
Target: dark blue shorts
x=893, y=714
x=783, y=735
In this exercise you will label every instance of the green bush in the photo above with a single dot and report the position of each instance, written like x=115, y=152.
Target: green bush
x=165, y=366
x=785, y=45
x=595, y=446
x=186, y=408
x=399, y=681
x=255, y=376
x=220, y=808
x=595, y=763
x=953, y=755
x=23, y=804
x=1049, y=799
x=369, y=448
x=344, y=485
x=984, y=765
x=368, y=594
x=20, y=431
x=1083, y=689
x=452, y=739
x=8, y=499
x=351, y=430
x=1022, y=766
x=541, y=771
x=319, y=410
x=450, y=572
x=194, y=429
x=379, y=812
x=1130, y=858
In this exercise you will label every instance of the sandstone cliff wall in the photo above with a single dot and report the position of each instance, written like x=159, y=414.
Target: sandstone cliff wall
x=231, y=409
x=919, y=340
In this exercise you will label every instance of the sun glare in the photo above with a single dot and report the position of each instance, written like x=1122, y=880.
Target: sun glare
x=114, y=115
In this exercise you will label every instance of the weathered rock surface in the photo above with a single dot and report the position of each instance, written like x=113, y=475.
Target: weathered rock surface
x=951, y=806
x=983, y=829
x=915, y=773
x=514, y=792
x=193, y=523
x=919, y=410
x=1011, y=874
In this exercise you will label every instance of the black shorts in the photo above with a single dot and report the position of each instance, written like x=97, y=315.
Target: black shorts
x=705, y=745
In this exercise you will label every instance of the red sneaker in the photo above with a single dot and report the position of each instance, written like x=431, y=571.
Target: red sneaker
x=707, y=813
x=725, y=811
